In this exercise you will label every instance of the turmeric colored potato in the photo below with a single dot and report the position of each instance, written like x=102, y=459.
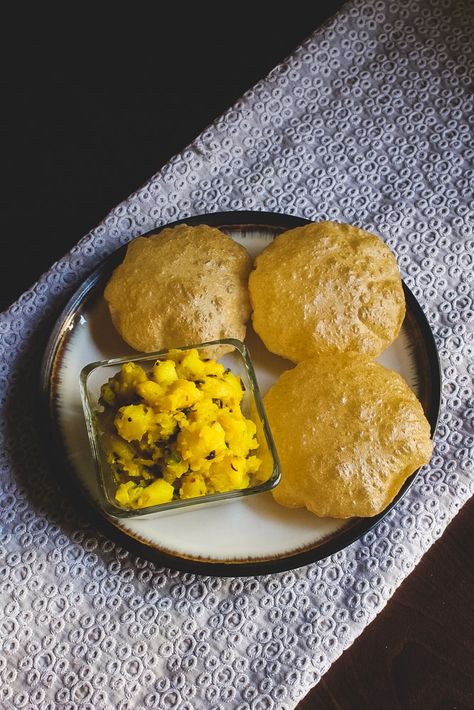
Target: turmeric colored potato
x=177, y=431
x=348, y=433
x=326, y=288
x=183, y=286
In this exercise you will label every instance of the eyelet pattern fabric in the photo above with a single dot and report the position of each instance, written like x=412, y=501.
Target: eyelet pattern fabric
x=367, y=122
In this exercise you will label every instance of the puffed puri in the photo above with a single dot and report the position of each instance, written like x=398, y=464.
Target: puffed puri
x=183, y=286
x=326, y=287
x=348, y=432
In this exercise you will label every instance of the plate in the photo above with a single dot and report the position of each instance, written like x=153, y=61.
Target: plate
x=247, y=536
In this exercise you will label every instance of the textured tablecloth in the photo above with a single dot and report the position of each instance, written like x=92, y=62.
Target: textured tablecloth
x=367, y=122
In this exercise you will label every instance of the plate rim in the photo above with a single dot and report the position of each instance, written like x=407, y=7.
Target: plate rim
x=137, y=546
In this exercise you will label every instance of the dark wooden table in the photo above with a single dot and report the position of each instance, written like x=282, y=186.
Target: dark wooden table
x=418, y=654
x=88, y=117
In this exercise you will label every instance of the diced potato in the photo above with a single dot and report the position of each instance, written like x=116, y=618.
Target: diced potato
x=166, y=425
x=200, y=444
x=151, y=392
x=178, y=432
x=133, y=422
x=175, y=469
x=193, y=486
x=228, y=474
x=205, y=411
x=191, y=366
x=164, y=372
x=127, y=494
x=120, y=389
x=180, y=394
x=120, y=456
x=157, y=492
x=222, y=390
x=211, y=367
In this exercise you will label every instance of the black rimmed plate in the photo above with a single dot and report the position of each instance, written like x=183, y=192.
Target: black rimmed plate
x=248, y=536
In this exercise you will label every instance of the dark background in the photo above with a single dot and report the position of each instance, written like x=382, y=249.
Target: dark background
x=92, y=107
x=91, y=112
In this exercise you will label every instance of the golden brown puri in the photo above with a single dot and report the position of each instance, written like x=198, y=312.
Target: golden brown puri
x=348, y=433
x=326, y=288
x=183, y=286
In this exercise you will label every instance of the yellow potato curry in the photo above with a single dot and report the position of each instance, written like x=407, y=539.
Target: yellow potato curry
x=176, y=432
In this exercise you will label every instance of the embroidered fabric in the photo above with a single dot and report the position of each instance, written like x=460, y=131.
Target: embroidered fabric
x=367, y=122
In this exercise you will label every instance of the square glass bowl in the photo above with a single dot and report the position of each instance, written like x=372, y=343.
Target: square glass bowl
x=237, y=358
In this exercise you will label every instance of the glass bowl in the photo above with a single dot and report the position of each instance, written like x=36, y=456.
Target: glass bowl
x=237, y=358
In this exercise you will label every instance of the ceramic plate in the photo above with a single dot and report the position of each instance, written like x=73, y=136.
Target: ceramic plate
x=246, y=536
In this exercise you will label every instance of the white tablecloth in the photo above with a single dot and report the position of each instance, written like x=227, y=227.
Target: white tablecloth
x=367, y=122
